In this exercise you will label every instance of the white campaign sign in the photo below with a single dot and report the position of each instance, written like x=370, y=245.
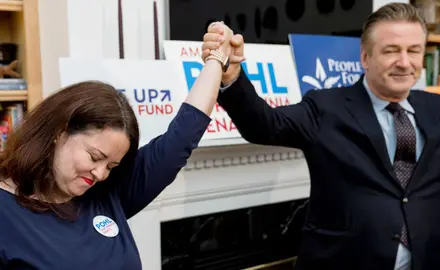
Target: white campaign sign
x=155, y=88
x=269, y=67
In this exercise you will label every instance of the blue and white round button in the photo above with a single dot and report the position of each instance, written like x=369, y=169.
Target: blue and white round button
x=105, y=226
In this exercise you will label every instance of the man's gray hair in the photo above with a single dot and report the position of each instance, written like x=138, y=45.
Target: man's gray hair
x=391, y=12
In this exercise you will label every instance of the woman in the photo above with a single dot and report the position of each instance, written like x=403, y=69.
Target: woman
x=72, y=174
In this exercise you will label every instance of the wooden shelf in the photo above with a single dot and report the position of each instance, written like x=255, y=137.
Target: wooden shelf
x=433, y=89
x=13, y=95
x=19, y=24
x=434, y=38
x=11, y=5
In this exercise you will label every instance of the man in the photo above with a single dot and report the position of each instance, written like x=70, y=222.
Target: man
x=372, y=149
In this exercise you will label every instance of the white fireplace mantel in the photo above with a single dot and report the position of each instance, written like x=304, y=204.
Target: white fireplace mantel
x=221, y=179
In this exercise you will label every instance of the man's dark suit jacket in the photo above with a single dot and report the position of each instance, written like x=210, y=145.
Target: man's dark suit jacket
x=357, y=206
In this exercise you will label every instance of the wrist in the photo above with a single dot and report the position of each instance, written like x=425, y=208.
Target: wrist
x=220, y=57
x=212, y=62
x=229, y=77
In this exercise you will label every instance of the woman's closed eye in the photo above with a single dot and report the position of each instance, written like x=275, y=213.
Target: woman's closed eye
x=96, y=159
x=93, y=158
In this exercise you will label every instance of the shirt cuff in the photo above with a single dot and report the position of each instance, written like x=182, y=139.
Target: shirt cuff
x=223, y=88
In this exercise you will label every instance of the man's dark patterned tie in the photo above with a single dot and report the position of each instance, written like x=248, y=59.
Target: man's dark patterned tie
x=405, y=157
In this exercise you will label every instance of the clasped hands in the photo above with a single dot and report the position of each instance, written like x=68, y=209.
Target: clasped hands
x=220, y=37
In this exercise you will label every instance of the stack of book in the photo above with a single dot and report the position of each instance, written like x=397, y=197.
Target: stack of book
x=431, y=65
x=11, y=115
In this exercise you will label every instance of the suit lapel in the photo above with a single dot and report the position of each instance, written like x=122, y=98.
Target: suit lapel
x=426, y=123
x=360, y=107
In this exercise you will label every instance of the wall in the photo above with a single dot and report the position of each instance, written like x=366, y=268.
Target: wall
x=378, y=3
x=53, y=41
x=96, y=28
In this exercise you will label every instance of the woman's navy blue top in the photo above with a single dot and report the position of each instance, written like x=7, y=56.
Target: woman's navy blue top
x=99, y=237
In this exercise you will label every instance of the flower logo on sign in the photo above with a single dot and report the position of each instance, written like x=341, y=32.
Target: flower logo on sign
x=321, y=81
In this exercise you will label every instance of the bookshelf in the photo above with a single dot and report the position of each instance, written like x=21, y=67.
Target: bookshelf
x=19, y=53
x=433, y=89
x=13, y=95
x=433, y=39
x=11, y=5
x=19, y=24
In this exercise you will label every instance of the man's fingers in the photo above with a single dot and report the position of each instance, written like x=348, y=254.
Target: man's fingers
x=237, y=40
x=236, y=59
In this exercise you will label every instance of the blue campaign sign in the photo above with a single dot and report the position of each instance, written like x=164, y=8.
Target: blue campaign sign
x=326, y=61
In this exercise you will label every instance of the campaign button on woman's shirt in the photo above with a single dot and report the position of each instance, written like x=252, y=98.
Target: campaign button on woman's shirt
x=105, y=226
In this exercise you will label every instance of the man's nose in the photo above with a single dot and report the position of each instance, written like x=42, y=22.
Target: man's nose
x=404, y=60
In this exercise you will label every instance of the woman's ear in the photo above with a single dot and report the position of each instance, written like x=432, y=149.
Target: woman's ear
x=60, y=138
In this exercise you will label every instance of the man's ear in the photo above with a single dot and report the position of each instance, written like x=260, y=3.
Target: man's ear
x=364, y=57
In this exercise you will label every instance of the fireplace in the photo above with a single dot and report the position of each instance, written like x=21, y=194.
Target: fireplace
x=231, y=207
x=238, y=239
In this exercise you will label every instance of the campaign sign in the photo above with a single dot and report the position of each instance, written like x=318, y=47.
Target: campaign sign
x=269, y=67
x=326, y=61
x=154, y=88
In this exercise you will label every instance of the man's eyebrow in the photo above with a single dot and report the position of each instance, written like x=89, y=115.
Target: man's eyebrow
x=397, y=46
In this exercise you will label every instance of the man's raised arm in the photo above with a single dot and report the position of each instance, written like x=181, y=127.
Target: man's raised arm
x=292, y=126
